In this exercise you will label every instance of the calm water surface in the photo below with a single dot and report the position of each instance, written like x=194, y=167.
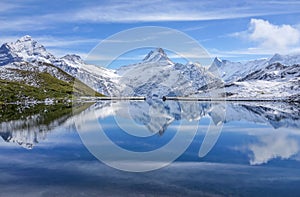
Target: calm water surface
x=255, y=154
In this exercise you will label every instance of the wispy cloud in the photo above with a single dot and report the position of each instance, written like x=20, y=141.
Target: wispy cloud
x=6, y=6
x=194, y=28
x=17, y=17
x=32, y=24
x=142, y=11
x=51, y=41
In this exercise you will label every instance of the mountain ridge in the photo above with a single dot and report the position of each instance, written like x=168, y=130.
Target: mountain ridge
x=157, y=75
x=230, y=71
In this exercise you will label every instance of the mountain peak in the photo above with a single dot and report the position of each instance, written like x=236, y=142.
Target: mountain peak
x=276, y=57
x=72, y=59
x=157, y=55
x=26, y=43
x=25, y=38
x=217, y=62
x=287, y=60
x=24, y=49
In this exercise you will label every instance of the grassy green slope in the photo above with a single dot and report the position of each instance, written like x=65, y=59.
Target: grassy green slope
x=49, y=87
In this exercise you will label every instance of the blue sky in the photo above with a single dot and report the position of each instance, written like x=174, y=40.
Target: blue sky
x=234, y=30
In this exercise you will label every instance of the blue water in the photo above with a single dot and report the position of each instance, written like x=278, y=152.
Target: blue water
x=256, y=153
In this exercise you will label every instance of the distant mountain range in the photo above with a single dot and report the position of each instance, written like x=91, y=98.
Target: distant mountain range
x=26, y=64
x=277, y=77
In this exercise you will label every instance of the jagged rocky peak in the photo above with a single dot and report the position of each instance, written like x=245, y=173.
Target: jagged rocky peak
x=215, y=65
x=157, y=55
x=20, y=43
x=217, y=62
x=25, y=38
x=27, y=44
x=220, y=63
x=24, y=49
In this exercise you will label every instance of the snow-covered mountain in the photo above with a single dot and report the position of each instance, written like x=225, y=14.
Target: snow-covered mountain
x=276, y=77
x=157, y=76
x=27, y=55
x=234, y=71
x=26, y=51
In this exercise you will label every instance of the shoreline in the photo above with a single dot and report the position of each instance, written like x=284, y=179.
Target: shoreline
x=164, y=98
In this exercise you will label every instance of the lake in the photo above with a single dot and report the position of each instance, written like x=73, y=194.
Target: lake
x=150, y=148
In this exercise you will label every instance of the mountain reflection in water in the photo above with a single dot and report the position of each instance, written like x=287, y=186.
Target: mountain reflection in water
x=28, y=125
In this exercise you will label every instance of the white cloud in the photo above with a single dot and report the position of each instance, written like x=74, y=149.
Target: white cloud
x=264, y=38
x=274, y=37
x=276, y=145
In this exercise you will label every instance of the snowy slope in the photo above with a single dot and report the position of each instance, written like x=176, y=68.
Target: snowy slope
x=264, y=89
x=275, y=72
x=100, y=79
